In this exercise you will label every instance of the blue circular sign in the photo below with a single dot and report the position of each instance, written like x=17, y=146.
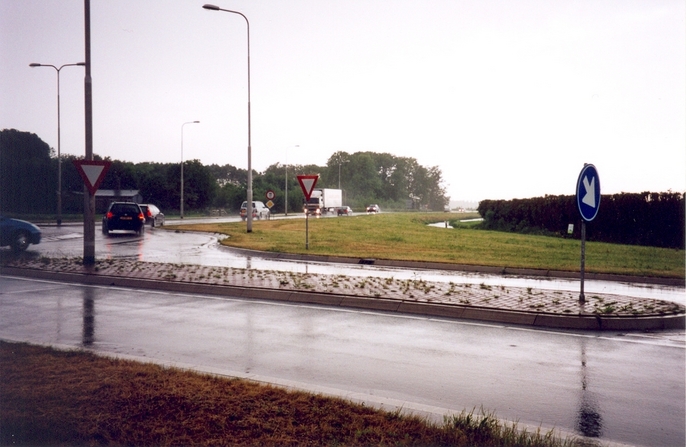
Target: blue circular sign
x=588, y=193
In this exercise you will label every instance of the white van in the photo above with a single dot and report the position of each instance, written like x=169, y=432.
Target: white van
x=259, y=211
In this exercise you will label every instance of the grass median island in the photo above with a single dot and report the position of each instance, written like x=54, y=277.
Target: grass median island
x=406, y=236
x=51, y=397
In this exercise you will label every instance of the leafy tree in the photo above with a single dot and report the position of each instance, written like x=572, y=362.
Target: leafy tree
x=338, y=169
x=365, y=177
x=28, y=173
x=158, y=185
x=368, y=177
x=199, y=186
x=230, y=197
x=121, y=175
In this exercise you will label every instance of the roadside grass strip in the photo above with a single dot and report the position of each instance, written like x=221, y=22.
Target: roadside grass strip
x=74, y=397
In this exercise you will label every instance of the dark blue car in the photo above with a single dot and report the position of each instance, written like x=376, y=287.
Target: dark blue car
x=126, y=216
x=18, y=234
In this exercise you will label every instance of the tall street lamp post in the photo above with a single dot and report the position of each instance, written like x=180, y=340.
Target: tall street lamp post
x=59, y=151
x=249, y=198
x=286, y=186
x=189, y=122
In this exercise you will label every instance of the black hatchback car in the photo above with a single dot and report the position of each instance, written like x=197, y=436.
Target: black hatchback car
x=126, y=216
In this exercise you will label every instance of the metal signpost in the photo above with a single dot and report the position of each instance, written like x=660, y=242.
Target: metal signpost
x=588, y=202
x=88, y=196
x=307, y=183
x=270, y=195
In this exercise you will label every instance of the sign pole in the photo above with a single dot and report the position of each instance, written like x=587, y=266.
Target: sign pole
x=588, y=203
x=307, y=183
x=582, y=297
x=89, y=198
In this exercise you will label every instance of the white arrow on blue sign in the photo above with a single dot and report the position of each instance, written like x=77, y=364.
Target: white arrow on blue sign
x=588, y=193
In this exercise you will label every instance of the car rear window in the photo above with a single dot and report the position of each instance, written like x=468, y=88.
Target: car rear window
x=124, y=208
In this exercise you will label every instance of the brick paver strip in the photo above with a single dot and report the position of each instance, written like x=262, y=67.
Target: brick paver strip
x=465, y=296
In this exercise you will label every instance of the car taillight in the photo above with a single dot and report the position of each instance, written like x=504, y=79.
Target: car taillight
x=141, y=216
x=110, y=215
x=149, y=213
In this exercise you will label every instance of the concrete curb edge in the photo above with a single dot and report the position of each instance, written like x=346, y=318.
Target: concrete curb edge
x=515, y=317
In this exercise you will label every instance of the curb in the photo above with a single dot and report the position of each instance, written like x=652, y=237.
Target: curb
x=454, y=311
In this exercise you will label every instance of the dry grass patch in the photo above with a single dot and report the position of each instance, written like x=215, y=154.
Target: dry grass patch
x=71, y=398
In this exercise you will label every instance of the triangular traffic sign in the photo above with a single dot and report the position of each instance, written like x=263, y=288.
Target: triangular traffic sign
x=307, y=183
x=92, y=172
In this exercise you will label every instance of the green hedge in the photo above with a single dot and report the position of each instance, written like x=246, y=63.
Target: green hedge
x=649, y=219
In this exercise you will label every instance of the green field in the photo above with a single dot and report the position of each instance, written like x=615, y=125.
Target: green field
x=406, y=236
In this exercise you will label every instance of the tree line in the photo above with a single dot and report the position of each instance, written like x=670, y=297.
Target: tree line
x=29, y=170
x=647, y=218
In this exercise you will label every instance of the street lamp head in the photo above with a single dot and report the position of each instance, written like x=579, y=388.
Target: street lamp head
x=196, y=122
x=211, y=7
x=79, y=64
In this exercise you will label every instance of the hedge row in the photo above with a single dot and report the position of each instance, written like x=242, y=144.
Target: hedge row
x=648, y=218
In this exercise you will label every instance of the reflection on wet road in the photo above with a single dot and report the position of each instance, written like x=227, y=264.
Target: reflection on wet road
x=610, y=387
x=158, y=245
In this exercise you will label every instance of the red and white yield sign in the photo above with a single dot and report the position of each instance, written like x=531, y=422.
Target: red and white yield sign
x=307, y=183
x=92, y=172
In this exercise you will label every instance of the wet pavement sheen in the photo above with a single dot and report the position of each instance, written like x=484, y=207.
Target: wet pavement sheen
x=626, y=388
x=158, y=245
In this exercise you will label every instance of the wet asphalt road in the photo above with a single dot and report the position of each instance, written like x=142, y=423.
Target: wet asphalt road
x=626, y=388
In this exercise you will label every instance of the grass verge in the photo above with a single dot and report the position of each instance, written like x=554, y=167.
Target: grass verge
x=406, y=236
x=52, y=397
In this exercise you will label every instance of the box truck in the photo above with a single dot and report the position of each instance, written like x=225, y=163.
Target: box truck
x=324, y=201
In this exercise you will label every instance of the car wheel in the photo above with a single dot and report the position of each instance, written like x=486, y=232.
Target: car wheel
x=20, y=242
x=152, y=224
x=104, y=229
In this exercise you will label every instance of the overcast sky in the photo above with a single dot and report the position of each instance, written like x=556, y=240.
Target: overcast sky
x=508, y=98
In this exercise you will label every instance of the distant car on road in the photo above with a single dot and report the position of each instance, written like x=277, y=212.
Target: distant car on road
x=126, y=216
x=373, y=209
x=153, y=215
x=18, y=234
x=259, y=211
x=344, y=211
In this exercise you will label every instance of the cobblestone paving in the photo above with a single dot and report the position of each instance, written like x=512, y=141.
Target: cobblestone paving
x=485, y=296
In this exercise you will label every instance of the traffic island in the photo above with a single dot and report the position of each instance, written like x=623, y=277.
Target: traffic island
x=500, y=304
